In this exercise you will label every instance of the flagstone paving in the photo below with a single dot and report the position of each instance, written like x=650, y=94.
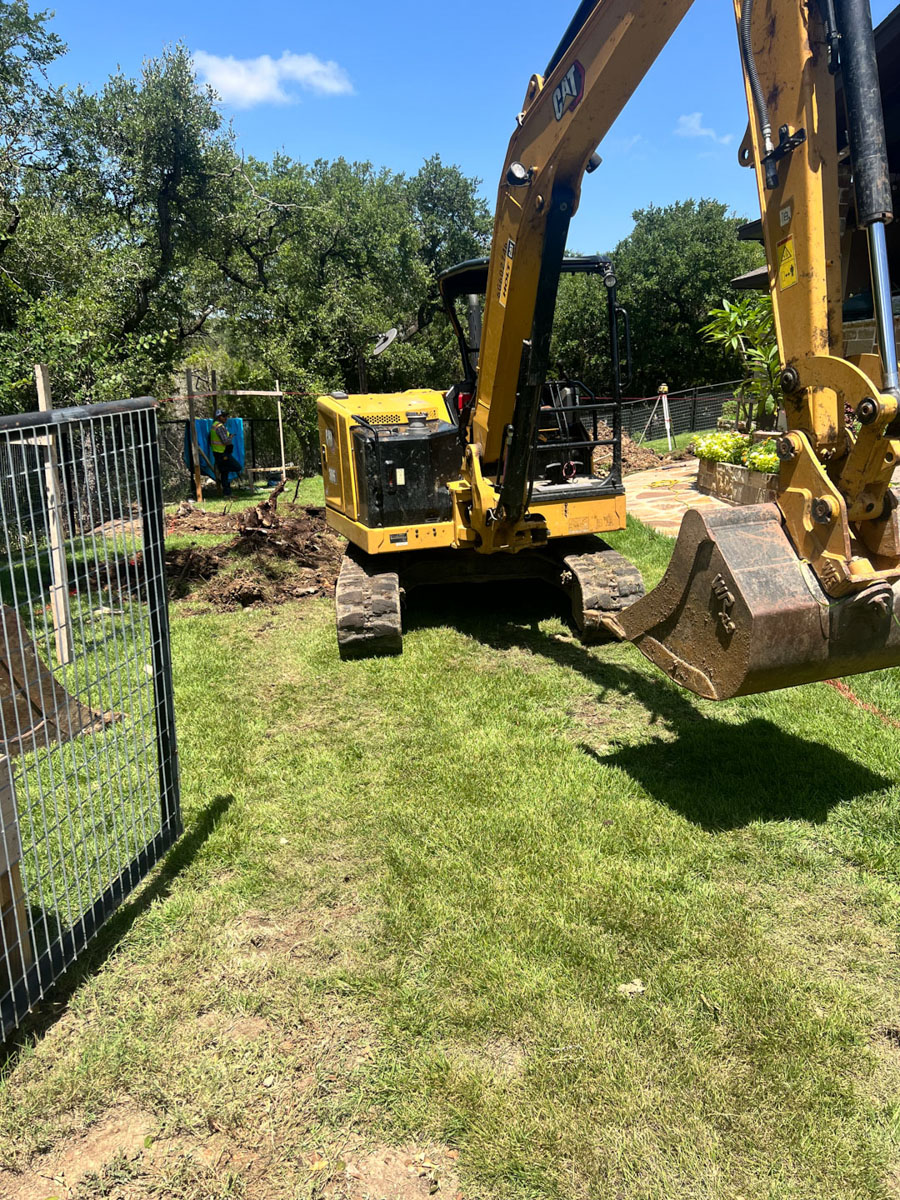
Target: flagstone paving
x=660, y=497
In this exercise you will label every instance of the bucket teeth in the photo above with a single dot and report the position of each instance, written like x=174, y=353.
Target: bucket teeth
x=738, y=612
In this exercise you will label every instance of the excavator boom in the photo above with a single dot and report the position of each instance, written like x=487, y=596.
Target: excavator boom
x=773, y=595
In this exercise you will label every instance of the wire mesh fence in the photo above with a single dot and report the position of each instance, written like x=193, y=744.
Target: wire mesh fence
x=691, y=411
x=262, y=448
x=89, y=787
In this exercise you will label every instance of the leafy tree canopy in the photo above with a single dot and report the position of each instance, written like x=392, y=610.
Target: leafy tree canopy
x=675, y=265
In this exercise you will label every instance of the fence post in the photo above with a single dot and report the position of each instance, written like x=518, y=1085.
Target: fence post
x=59, y=574
x=694, y=412
x=150, y=486
x=280, y=430
x=192, y=426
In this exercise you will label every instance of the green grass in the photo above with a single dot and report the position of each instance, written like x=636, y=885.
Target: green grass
x=409, y=894
x=309, y=492
x=681, y=441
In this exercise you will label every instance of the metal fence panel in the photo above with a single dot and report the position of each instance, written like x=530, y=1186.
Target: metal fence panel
x=89, y=786
x=691, y=410
x=262, y=448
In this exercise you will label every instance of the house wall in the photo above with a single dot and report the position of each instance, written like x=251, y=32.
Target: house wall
x=859, y=336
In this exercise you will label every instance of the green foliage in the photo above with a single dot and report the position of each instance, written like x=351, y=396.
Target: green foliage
x=737, y=448
x=108, y=269
x=762, y=457
x=721, y=446
x=746, y=326
x=677, y=262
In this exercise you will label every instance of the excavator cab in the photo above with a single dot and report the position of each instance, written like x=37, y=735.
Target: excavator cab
x=577, y=439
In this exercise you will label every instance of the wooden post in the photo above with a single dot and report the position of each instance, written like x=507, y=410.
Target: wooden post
x=214, y=388
x=195, y=448
x=59, y=574
x=281, y=431
x=15, y=938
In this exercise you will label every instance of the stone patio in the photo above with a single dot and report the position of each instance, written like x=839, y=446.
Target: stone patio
x=660, y=497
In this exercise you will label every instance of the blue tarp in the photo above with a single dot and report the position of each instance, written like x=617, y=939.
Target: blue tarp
x=204, y=428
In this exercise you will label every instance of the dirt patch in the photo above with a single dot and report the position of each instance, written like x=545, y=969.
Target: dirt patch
x=273, y=556
x=634, y=457
x=389, y=1174
x=235, y=1029
x=192, y=518
x=123, y=1132
x=321, y=934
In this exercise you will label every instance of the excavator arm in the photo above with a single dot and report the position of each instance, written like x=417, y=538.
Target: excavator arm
x=771, y=595
x=605, y=53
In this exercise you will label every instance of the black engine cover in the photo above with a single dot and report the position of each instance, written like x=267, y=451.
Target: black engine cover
x=402, y=472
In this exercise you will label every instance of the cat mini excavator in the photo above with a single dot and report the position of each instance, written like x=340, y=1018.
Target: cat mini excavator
x=497, y=477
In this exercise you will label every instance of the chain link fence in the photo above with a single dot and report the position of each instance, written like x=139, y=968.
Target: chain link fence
x=89, y=785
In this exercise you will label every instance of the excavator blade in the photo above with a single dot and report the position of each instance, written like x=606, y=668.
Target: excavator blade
x=738, y=612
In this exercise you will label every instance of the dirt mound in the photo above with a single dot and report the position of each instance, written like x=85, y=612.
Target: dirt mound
x=191, y=518
x=273, y=557
x=634, y=457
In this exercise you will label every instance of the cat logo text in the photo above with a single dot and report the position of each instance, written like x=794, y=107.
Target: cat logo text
x=569, y=92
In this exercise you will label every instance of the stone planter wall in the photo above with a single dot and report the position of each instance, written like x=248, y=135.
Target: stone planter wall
x=736, y=484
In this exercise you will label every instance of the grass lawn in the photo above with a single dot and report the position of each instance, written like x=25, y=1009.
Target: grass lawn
x=503, y=918
x=680, y=440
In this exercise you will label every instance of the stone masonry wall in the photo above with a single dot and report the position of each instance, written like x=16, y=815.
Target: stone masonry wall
x=859, y=336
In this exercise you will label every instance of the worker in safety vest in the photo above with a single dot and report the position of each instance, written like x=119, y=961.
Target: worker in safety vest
x=222, y=443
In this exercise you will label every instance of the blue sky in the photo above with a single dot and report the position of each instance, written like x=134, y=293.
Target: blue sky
x=396, y=81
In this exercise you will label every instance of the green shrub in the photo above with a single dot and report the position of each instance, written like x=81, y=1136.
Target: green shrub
x=762, y=457
x=721, y=447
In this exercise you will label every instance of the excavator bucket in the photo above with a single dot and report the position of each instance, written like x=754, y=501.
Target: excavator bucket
x=738, y=612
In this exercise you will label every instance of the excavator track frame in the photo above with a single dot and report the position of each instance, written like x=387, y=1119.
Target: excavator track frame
x=599, y=582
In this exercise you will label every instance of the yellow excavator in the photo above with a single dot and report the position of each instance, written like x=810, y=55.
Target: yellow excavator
x=509, y=475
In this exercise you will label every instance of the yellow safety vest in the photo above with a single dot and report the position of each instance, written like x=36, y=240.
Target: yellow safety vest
x=217, y=437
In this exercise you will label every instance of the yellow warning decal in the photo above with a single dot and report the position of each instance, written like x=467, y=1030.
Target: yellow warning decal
x=506, y=272
x=787, y=264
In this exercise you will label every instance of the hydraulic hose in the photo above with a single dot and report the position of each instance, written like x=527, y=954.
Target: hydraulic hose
x=756, y=89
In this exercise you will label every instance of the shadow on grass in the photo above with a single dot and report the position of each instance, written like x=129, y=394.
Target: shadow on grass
x=718, y=774
x=54, y=1004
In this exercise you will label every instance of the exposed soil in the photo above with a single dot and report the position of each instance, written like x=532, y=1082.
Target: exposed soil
x=273, y=556
x=634, y=457
x=123, y=1131
x=387, y=1174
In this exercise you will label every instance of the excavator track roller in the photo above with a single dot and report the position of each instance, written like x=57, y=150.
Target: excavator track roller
x=739, y=612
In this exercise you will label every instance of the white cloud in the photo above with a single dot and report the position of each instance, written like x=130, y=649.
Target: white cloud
x=691, y=125
x=244, y=82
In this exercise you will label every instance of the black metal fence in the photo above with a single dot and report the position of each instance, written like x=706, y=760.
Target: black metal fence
x=691, y=410
x=89, y=786
x=262, y=449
